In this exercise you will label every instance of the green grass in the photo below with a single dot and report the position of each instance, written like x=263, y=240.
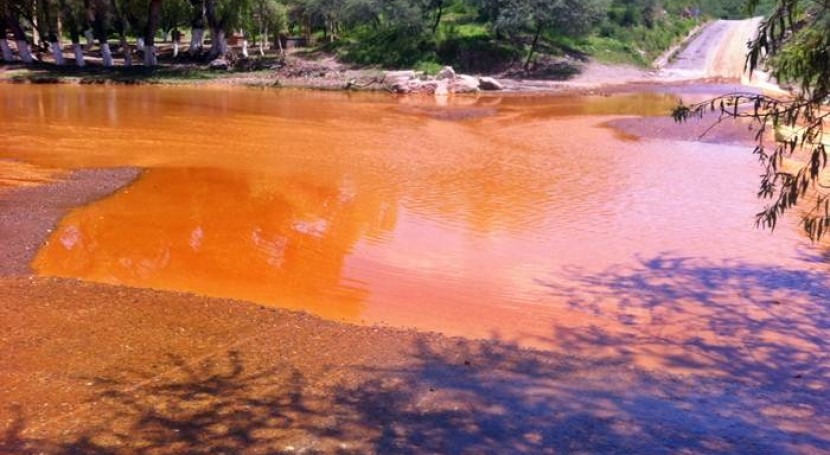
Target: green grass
x=637, y=45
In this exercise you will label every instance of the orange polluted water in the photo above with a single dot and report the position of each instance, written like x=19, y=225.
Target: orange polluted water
x=518, y=218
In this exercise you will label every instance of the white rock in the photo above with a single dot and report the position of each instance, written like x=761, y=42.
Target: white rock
x=488, y=83
x=464, y=84
x=396, y=75
x=446, y=73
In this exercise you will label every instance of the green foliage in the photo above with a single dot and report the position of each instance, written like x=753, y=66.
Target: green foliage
x=174, y=13
x=392, y=47
x=638, y=44
x=477, y=53
x=428, y=67
x=474, y=35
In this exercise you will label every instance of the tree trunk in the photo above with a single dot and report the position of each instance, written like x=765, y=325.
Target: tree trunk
x=6, y=51
x=244, y=45
x=79, y=54
x=99, y=25
x=19, y=38
x=126, y=51
x=176, y=35
x=57, y=52
x=24, y=51
x=196, y=40
x=36, y=23
x=153, y=13
x=89, y=38
x=263, y=35
x=437, y=20
x=197, y=26
x=218, y=45
x=150, y=58
x=121, y=25
x=106, y=54
x=75, y=37
x=533, y=46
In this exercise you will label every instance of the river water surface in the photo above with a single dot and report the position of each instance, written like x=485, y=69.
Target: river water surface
x=526, y=219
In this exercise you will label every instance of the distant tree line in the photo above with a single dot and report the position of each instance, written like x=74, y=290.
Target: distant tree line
x=386, y=32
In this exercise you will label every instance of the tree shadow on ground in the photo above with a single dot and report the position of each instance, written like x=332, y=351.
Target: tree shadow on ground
x=441, y=395
x=452, y=397
x=756, y=323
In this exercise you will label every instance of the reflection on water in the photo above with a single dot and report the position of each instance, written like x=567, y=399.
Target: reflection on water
x=373, y=209
x=223, y=234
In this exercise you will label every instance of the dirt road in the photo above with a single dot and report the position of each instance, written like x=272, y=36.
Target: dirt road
x=717, y=52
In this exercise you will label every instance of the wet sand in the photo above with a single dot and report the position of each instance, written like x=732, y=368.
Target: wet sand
x=96, y=368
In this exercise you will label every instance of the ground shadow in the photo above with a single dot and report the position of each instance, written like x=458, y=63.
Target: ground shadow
x=450, y=396
x=755, y=323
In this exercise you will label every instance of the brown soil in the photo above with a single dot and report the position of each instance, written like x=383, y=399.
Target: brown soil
x=90, y=368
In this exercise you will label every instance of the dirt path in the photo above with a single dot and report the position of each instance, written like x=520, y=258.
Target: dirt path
x=717, y=52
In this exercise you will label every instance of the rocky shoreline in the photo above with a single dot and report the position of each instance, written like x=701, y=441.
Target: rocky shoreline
x=329, y=75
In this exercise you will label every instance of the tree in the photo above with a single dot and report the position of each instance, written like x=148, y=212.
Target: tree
x=197, y=26
x=223, y=16
x=565, y=17
x=99, y=14
x=48, y=25
x=11, y=13
x=122, y=25
x=562, y=17
x=153, y=13
x=72, y=17
x=794, y=42
x=173, y=14
x=273, y=15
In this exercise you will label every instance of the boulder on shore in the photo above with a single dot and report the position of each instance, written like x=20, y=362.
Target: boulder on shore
x=464, y=84
x=401, y=86
x=446, y=73
x=488, y=83
x=398, y=75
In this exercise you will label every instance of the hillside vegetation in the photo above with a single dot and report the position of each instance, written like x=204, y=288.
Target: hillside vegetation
x=528, y=37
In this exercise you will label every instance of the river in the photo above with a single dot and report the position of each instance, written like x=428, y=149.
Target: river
x=527, y=219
